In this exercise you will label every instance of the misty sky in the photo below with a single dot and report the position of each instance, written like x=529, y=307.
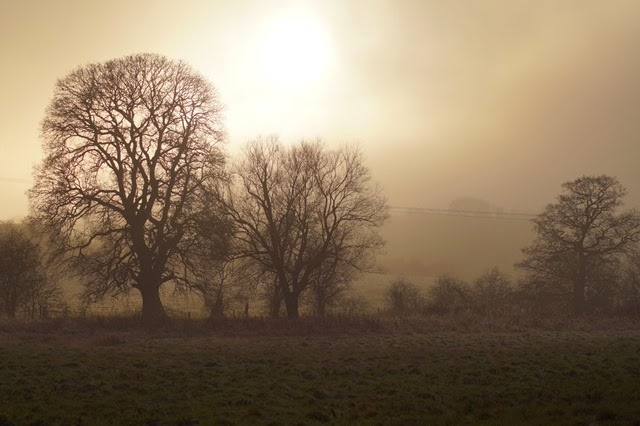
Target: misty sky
x=498, y=100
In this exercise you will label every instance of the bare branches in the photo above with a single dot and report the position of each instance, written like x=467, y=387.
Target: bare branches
x=26, y=281
x=303, y=212
x=130, y=147
x=581, y=233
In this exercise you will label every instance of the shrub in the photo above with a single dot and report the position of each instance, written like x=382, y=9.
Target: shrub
x=402, y=297
x=449, y=294
x=492, y=292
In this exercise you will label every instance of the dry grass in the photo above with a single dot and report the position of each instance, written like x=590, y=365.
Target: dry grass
x=280, y=375
x=356, y=325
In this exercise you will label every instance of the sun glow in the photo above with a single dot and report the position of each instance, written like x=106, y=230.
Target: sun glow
x=295, y=51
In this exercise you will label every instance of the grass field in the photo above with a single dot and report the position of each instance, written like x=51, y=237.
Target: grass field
x=131, y=377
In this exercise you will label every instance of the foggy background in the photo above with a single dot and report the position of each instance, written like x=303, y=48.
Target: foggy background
x=492, y=104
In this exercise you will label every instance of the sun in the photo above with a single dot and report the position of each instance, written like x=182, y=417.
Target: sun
x=295, y=51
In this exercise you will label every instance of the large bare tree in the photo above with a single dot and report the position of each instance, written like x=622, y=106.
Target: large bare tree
x=303, y=210
x=580, y=234
x=131, y=147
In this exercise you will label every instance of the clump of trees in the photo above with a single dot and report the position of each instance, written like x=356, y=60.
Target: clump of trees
x=137, y=192
x=135, y=188
x=491, y=293
x=308, y=216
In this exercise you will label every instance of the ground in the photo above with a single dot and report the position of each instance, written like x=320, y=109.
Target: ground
x=381, y=377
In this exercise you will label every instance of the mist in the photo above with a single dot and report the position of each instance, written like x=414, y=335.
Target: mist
x=501, y=101
x=344, y=212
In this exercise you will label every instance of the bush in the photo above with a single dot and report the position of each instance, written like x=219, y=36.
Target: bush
x=449, y=294
x=492, y=292
x=403, y=297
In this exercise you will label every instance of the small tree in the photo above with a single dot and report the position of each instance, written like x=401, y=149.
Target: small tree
x=579, y=234
x=24, y=281
x=402, y=297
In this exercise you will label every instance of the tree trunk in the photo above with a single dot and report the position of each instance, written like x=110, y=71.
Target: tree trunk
x=275, y=302
x=579, y=303
x=321, y=304
x=217, y=308
x=11, y=306
x=153, y=313
x=291, y=301
x=578, y=298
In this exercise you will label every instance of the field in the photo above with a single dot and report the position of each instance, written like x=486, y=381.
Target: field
x=286, y=377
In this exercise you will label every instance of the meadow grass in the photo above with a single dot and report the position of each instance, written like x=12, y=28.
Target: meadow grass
x=387, y=373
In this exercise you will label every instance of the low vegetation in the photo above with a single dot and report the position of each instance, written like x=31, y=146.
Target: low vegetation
x=401, y=377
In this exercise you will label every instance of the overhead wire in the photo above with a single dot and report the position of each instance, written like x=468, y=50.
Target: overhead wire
x=479, y=214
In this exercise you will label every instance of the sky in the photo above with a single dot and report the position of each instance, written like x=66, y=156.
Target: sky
x=497, y=100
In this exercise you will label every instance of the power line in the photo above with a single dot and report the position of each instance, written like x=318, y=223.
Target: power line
x=492, y=212
x=481, y=214
x=478, y=214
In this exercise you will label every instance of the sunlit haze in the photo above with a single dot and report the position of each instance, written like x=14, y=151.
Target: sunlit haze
x=320, y=212
x=295, y=52
x=497, y=101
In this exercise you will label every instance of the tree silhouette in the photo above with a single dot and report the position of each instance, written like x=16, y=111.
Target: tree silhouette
x=580, y=233
x=131, y=147
x=303, y=211
x=25, y=282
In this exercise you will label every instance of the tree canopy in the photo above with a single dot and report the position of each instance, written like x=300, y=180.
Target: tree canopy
x=132, y=148
x=303, y=213
x=581, y=233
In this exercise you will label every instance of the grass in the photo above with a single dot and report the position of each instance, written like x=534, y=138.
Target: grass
x=283, y=375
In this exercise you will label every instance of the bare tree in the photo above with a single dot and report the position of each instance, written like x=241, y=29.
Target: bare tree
x=580, y=233
x=131, y=146
x=298, y=209
x=25, y=283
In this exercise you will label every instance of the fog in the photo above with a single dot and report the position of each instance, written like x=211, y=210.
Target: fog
x=500, y=101
x=319, y=211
